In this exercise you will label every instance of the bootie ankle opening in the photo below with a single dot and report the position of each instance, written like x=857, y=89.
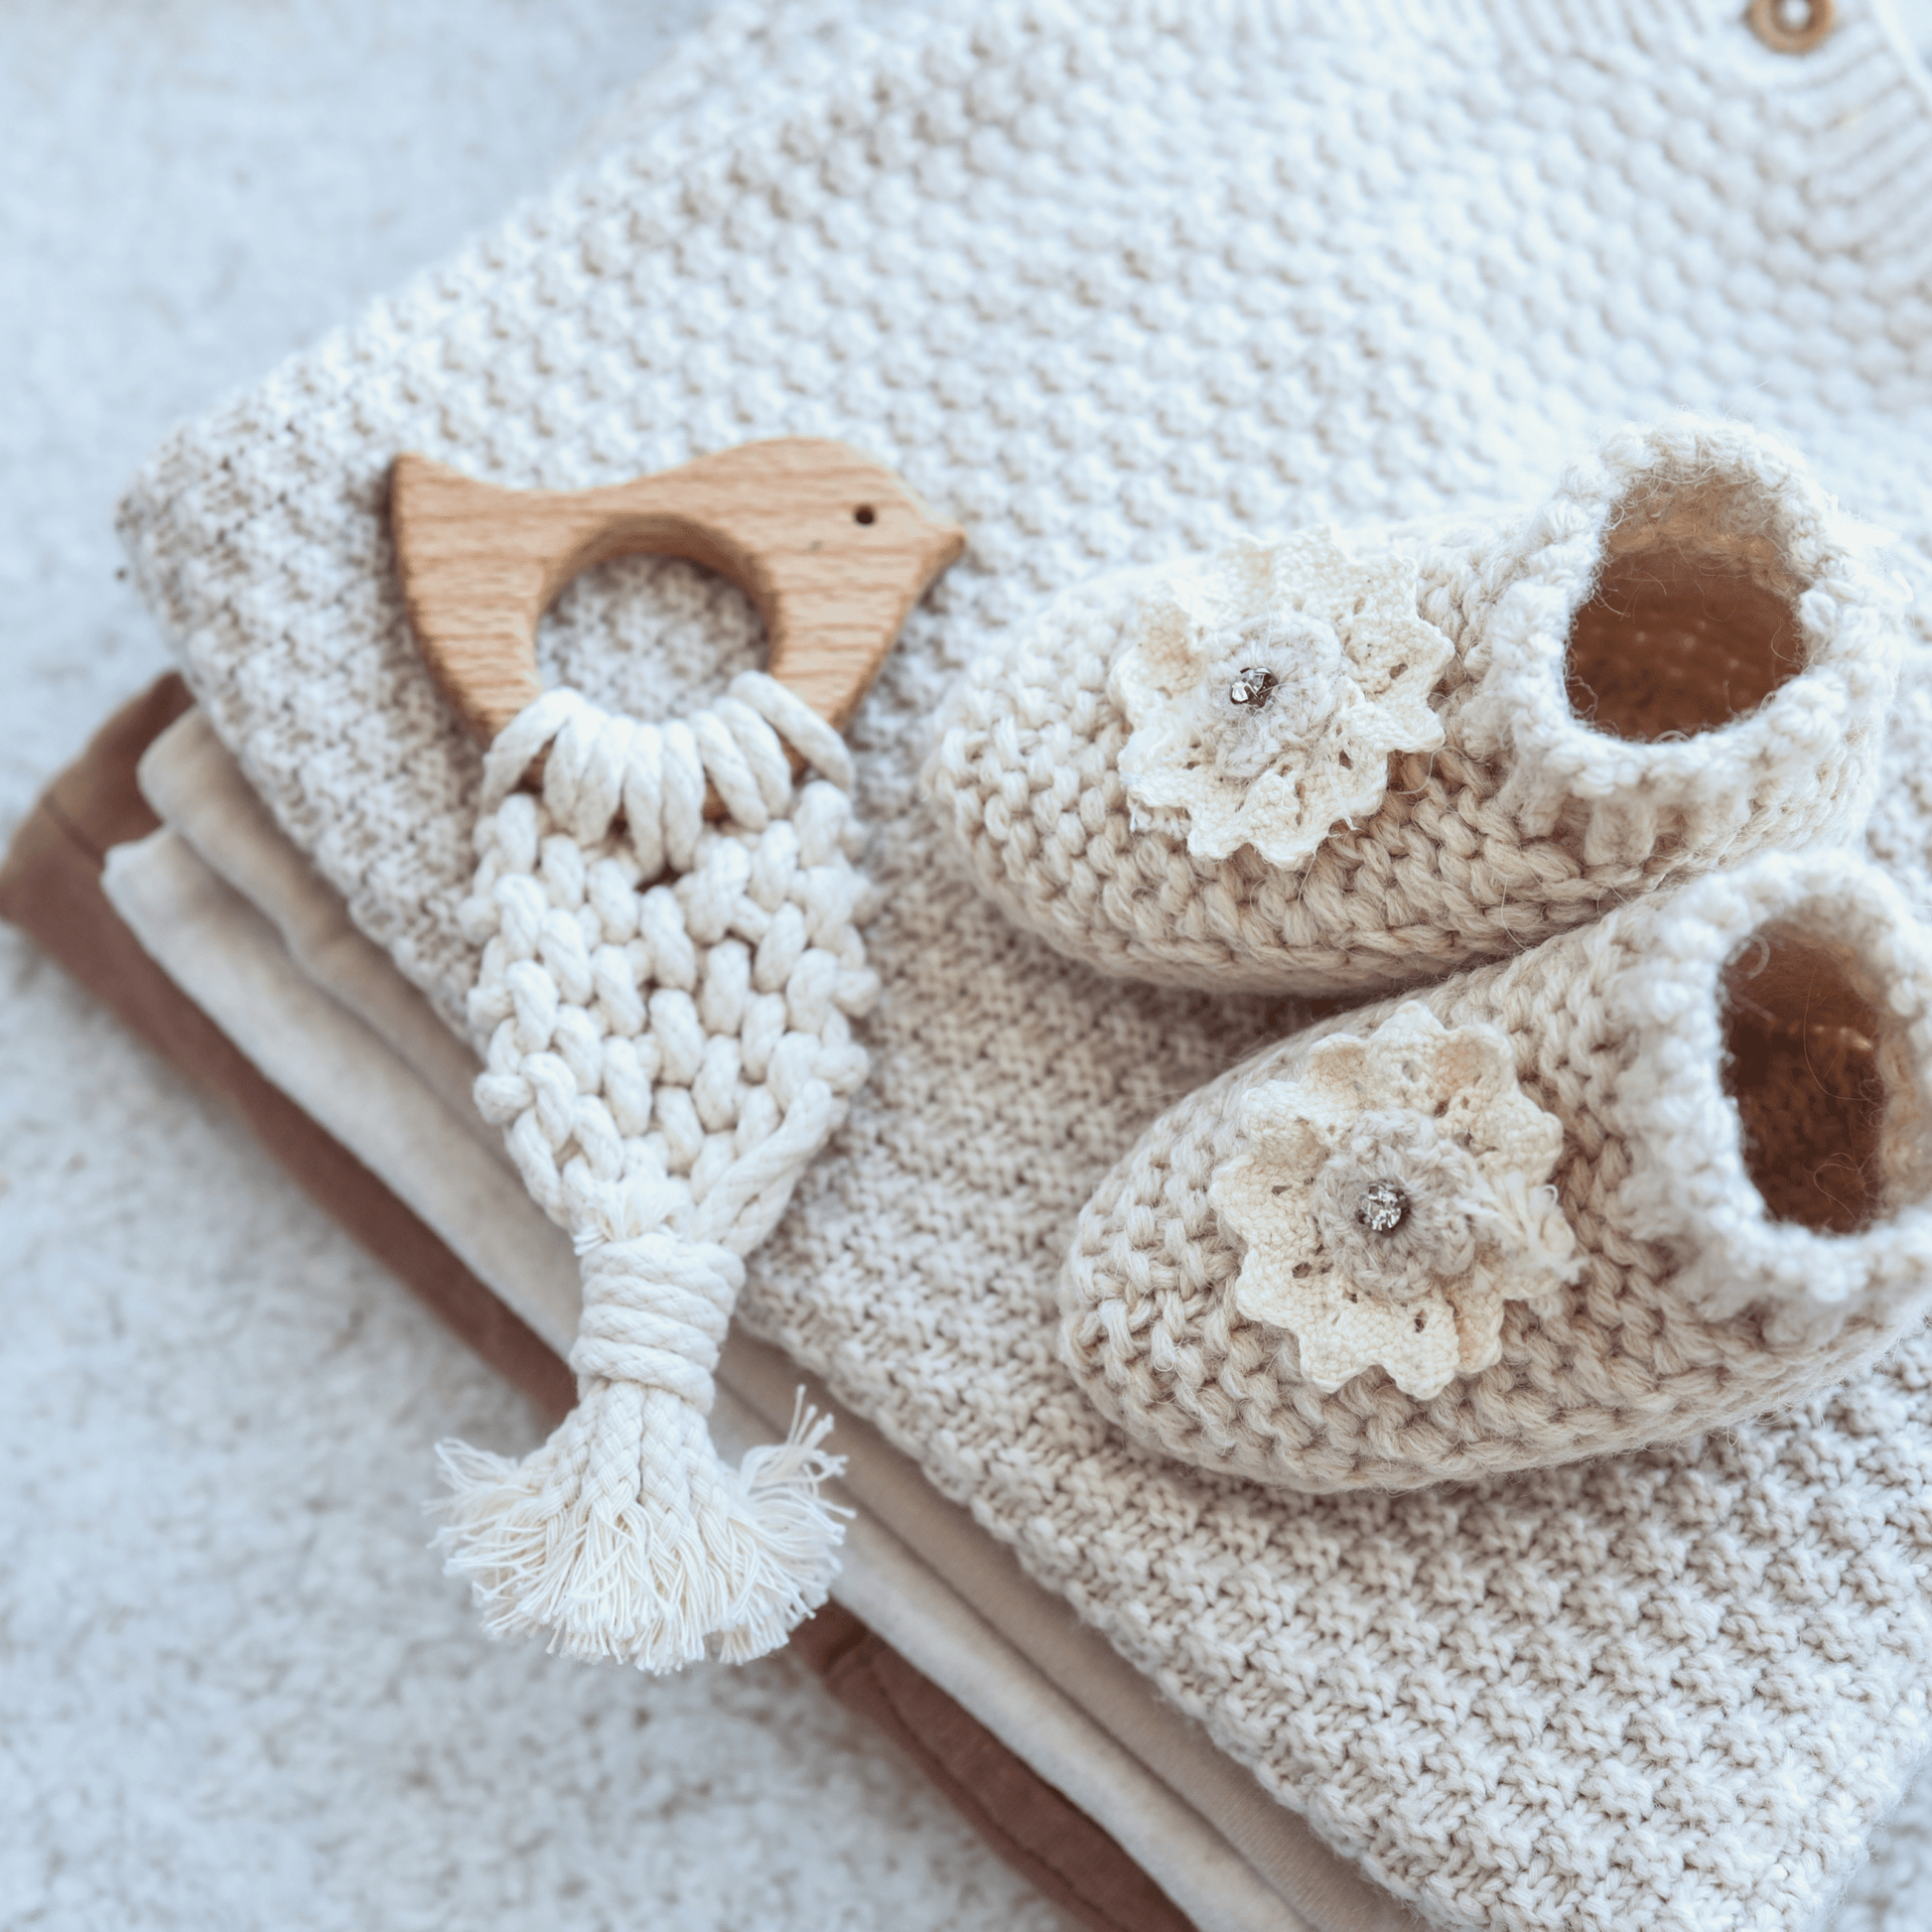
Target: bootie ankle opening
x=1802, y=1039
x=1691, y=622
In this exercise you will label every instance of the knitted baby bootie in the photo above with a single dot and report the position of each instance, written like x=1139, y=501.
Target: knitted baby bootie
x=1350, y=761
x=1655, y=1176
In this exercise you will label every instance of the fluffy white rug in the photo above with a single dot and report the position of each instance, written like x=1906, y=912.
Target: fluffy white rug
x=233, y=1690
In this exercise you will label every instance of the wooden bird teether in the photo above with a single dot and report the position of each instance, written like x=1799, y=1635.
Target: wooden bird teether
x=831, y=547
x=664, y=1007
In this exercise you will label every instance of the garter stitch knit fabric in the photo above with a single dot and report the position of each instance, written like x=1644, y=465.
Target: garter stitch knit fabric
x=663, y=1019
x=1734, y=652
x=1107, y=281
x=1742, y=1213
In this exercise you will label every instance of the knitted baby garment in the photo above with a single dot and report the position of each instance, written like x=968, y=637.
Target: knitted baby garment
x=1109, y=280
x=1349, y=760
x=1658, y=1174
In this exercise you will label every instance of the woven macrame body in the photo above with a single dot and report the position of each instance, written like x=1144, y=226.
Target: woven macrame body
x=664, y=1014
x=1693, y=1306
x=1524, y=822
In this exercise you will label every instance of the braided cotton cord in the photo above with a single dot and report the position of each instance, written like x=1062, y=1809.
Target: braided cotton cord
x=665, y=1018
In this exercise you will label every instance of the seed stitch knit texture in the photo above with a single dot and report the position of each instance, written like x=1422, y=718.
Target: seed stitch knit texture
x=1106, y=281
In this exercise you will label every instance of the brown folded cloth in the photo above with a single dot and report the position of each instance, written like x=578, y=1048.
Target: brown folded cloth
x=50, y=885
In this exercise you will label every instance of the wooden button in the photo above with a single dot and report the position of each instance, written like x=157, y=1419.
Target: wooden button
x=1792, y=26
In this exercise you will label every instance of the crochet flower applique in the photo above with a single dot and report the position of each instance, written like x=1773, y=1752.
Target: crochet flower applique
x=1267, y=687
x=1393, y=1194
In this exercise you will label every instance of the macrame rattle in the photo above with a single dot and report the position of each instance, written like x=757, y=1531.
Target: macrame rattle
x=669, y=966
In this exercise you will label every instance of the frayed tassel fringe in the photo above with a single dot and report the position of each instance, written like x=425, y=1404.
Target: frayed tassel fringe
x=624, y=1538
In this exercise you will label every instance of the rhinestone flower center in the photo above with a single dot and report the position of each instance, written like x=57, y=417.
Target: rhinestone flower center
x=1253, y=685
x=1382, y=1208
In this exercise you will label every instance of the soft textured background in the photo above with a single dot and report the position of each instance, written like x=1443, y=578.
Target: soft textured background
x=234, y=1690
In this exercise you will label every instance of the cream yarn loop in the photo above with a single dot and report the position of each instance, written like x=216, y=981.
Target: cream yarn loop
x=602, y=762
x=663, y=1005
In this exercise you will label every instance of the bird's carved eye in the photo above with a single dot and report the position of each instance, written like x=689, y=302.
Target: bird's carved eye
x=864, y=513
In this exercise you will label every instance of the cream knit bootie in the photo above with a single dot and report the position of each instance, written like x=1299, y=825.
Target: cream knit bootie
x=1350, y=761
x=1656, y=1175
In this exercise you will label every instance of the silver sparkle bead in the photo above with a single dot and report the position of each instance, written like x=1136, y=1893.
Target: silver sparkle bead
x=1383, y=1207
x=1253, y=687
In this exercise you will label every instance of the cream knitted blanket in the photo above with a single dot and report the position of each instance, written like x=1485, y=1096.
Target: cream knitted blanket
x=1106, y=281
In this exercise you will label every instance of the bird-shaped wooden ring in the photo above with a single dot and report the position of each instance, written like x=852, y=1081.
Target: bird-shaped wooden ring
x=832, y=548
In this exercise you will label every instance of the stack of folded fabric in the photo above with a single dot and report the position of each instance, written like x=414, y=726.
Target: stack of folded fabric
x=1480, y=1432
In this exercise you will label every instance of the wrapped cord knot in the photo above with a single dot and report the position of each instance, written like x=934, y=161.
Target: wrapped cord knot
x=656, y=1312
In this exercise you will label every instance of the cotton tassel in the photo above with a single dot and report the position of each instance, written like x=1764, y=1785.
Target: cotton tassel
x=625, y=1536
